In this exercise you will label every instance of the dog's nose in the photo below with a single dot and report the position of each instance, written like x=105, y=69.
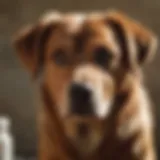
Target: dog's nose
x=80, y=99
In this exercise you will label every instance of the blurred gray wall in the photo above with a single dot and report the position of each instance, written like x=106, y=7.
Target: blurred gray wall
x=16, y=95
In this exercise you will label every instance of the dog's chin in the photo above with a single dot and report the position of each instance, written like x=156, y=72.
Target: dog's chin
x=86, y=145
x=85, y=134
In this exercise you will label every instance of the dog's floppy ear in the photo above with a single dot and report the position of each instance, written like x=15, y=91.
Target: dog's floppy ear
x=138, y=43
x=30, y=41
x=25, y=45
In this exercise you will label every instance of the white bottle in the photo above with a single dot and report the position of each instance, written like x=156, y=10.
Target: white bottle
x=6, y=142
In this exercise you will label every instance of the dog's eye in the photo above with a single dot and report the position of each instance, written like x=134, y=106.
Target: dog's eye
x=60, y=57
x=102, y=56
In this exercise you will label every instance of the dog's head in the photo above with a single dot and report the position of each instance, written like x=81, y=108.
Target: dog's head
x=86, y=59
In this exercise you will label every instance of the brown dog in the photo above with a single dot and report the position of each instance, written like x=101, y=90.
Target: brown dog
x=95, y=105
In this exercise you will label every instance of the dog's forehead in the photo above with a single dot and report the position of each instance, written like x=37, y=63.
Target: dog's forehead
x=82, y=27
x=73, y=21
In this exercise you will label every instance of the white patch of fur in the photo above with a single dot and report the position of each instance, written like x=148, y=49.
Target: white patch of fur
x=146, y=125
x=50, y=17
x=145, y=111
x=142, y=120
x=75, y=21
x=102, y=106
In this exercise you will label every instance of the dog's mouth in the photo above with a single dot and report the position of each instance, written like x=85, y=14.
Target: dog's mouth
x=85, y=133
x=83, y=130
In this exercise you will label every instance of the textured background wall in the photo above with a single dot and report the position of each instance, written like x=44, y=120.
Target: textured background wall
x=16, y=95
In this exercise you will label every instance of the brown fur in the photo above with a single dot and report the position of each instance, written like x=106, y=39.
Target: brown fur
x=37, y=46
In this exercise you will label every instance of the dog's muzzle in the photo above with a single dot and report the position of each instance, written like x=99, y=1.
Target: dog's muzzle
x=90, y=92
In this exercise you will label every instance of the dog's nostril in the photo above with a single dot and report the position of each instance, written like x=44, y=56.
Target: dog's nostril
x=80, y=99
x=79, y=92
